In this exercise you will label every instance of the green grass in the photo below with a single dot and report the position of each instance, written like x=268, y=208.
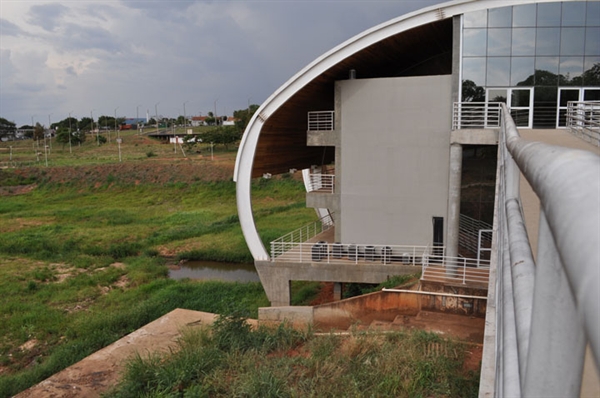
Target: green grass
x=230, y=359
x=82, y=264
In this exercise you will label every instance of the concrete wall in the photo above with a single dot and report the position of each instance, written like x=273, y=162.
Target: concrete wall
x=395, y=137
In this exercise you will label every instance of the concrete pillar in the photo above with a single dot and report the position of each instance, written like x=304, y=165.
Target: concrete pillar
x=454, y=182
x=337, y=291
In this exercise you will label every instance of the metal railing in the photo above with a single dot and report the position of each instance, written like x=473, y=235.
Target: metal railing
x=301, y=235
x=583, y=120
x=460, y=270
x=470, y=235
x=481, y=115
x=321, y=121
x=330, y=253
x=321, y=182
x=542, y=313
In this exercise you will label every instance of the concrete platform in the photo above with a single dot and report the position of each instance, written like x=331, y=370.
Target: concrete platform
x=95, y=374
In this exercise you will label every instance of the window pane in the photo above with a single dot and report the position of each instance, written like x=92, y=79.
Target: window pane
x=500, y=17
x=544, y=107
x=567, y=95
x=520, y=97
x=573, y=14
x=497, y=95
x=592, y=41
x=523, y=41
x=591, y=95
x=593, y=14
x=548, y=14
x=497, y=71
x=591, y=74
x=570, y=70
x=521, y=71
x=546, y=71
x=498, y=42
x=474, y=42
x=524, y=15
x=571, y=41
x=472, y=92
x=476, y=19
x=547, y=41
x=474, y=70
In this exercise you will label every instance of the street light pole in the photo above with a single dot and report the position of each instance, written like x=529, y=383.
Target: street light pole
x=50, y=128
x=156, y=114
x=184, y=118
x=215, y=115
x=33, y=132
x=70, y=133
x=97, y=136
x=118, y=133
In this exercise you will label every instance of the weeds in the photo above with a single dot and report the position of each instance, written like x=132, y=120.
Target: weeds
x=231, y=359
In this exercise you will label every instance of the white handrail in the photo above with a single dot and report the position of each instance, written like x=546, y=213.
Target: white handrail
x=476, y=115
x=583, y=120
x=321, y=121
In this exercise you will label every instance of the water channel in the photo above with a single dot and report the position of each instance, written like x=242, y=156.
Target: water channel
x=214, y=271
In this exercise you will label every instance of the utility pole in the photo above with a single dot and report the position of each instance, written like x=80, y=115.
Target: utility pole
x=70, y=133
x=118, y=133
x=156, y=114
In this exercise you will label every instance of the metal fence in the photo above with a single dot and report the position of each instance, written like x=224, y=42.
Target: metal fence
x=544, y=312
x=583, y=120
x=480, y=115
x=458, y=270
x=321, y=121
x=321, y=182
x=474, y=235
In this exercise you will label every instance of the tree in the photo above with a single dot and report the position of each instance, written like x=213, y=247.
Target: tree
x=471, y=92
x=7, y=128
x=38, y=131
x=224, y=135
x=243, y=116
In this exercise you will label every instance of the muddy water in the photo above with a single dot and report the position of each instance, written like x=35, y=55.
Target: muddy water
x=210, y=270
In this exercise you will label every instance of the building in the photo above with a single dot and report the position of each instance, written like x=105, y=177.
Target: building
x=386, y=110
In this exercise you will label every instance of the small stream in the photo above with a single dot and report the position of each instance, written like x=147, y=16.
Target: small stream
x=214, y=271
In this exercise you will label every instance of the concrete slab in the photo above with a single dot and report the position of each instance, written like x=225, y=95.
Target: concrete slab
x=95, y=374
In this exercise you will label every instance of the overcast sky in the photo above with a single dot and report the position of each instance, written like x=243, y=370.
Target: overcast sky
x=82, y=56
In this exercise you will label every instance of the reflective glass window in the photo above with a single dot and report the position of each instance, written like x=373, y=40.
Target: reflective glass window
x=472, y=92
x=592, y=41
x=476, y=19
x=500, y=17
x=499, y=41
x=520, y=97
x=567, y=95
x=547, y=41
x=523, y=41
x=498, y=71
x=546, y=71
x=591, y=95
x=497, y=95
x=591, y=71
x=524, y=15
x=572, y=41
x=573, y=14
x=521, y=71
x=474, y=70
x=474, y=42
x=570, y=70
x=548, y=14
x=592, y=14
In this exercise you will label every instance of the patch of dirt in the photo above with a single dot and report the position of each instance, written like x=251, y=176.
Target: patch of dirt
x=19, y=223
x=17, y=190
x=325, y=294
x=28, y=345
x=473, y=355
x=161, y=171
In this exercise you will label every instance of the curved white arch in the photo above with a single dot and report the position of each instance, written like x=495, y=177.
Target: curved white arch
x=245, y=157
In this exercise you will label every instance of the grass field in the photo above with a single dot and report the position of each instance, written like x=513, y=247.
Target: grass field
x=84, y=243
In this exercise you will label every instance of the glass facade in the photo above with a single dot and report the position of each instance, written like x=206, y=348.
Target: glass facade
x=542, y=46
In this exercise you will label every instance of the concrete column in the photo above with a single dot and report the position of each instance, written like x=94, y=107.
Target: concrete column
x=454, y=182
x=337, y=291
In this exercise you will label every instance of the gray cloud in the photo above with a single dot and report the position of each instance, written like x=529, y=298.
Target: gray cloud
x=8, y=28
x=47, y=16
